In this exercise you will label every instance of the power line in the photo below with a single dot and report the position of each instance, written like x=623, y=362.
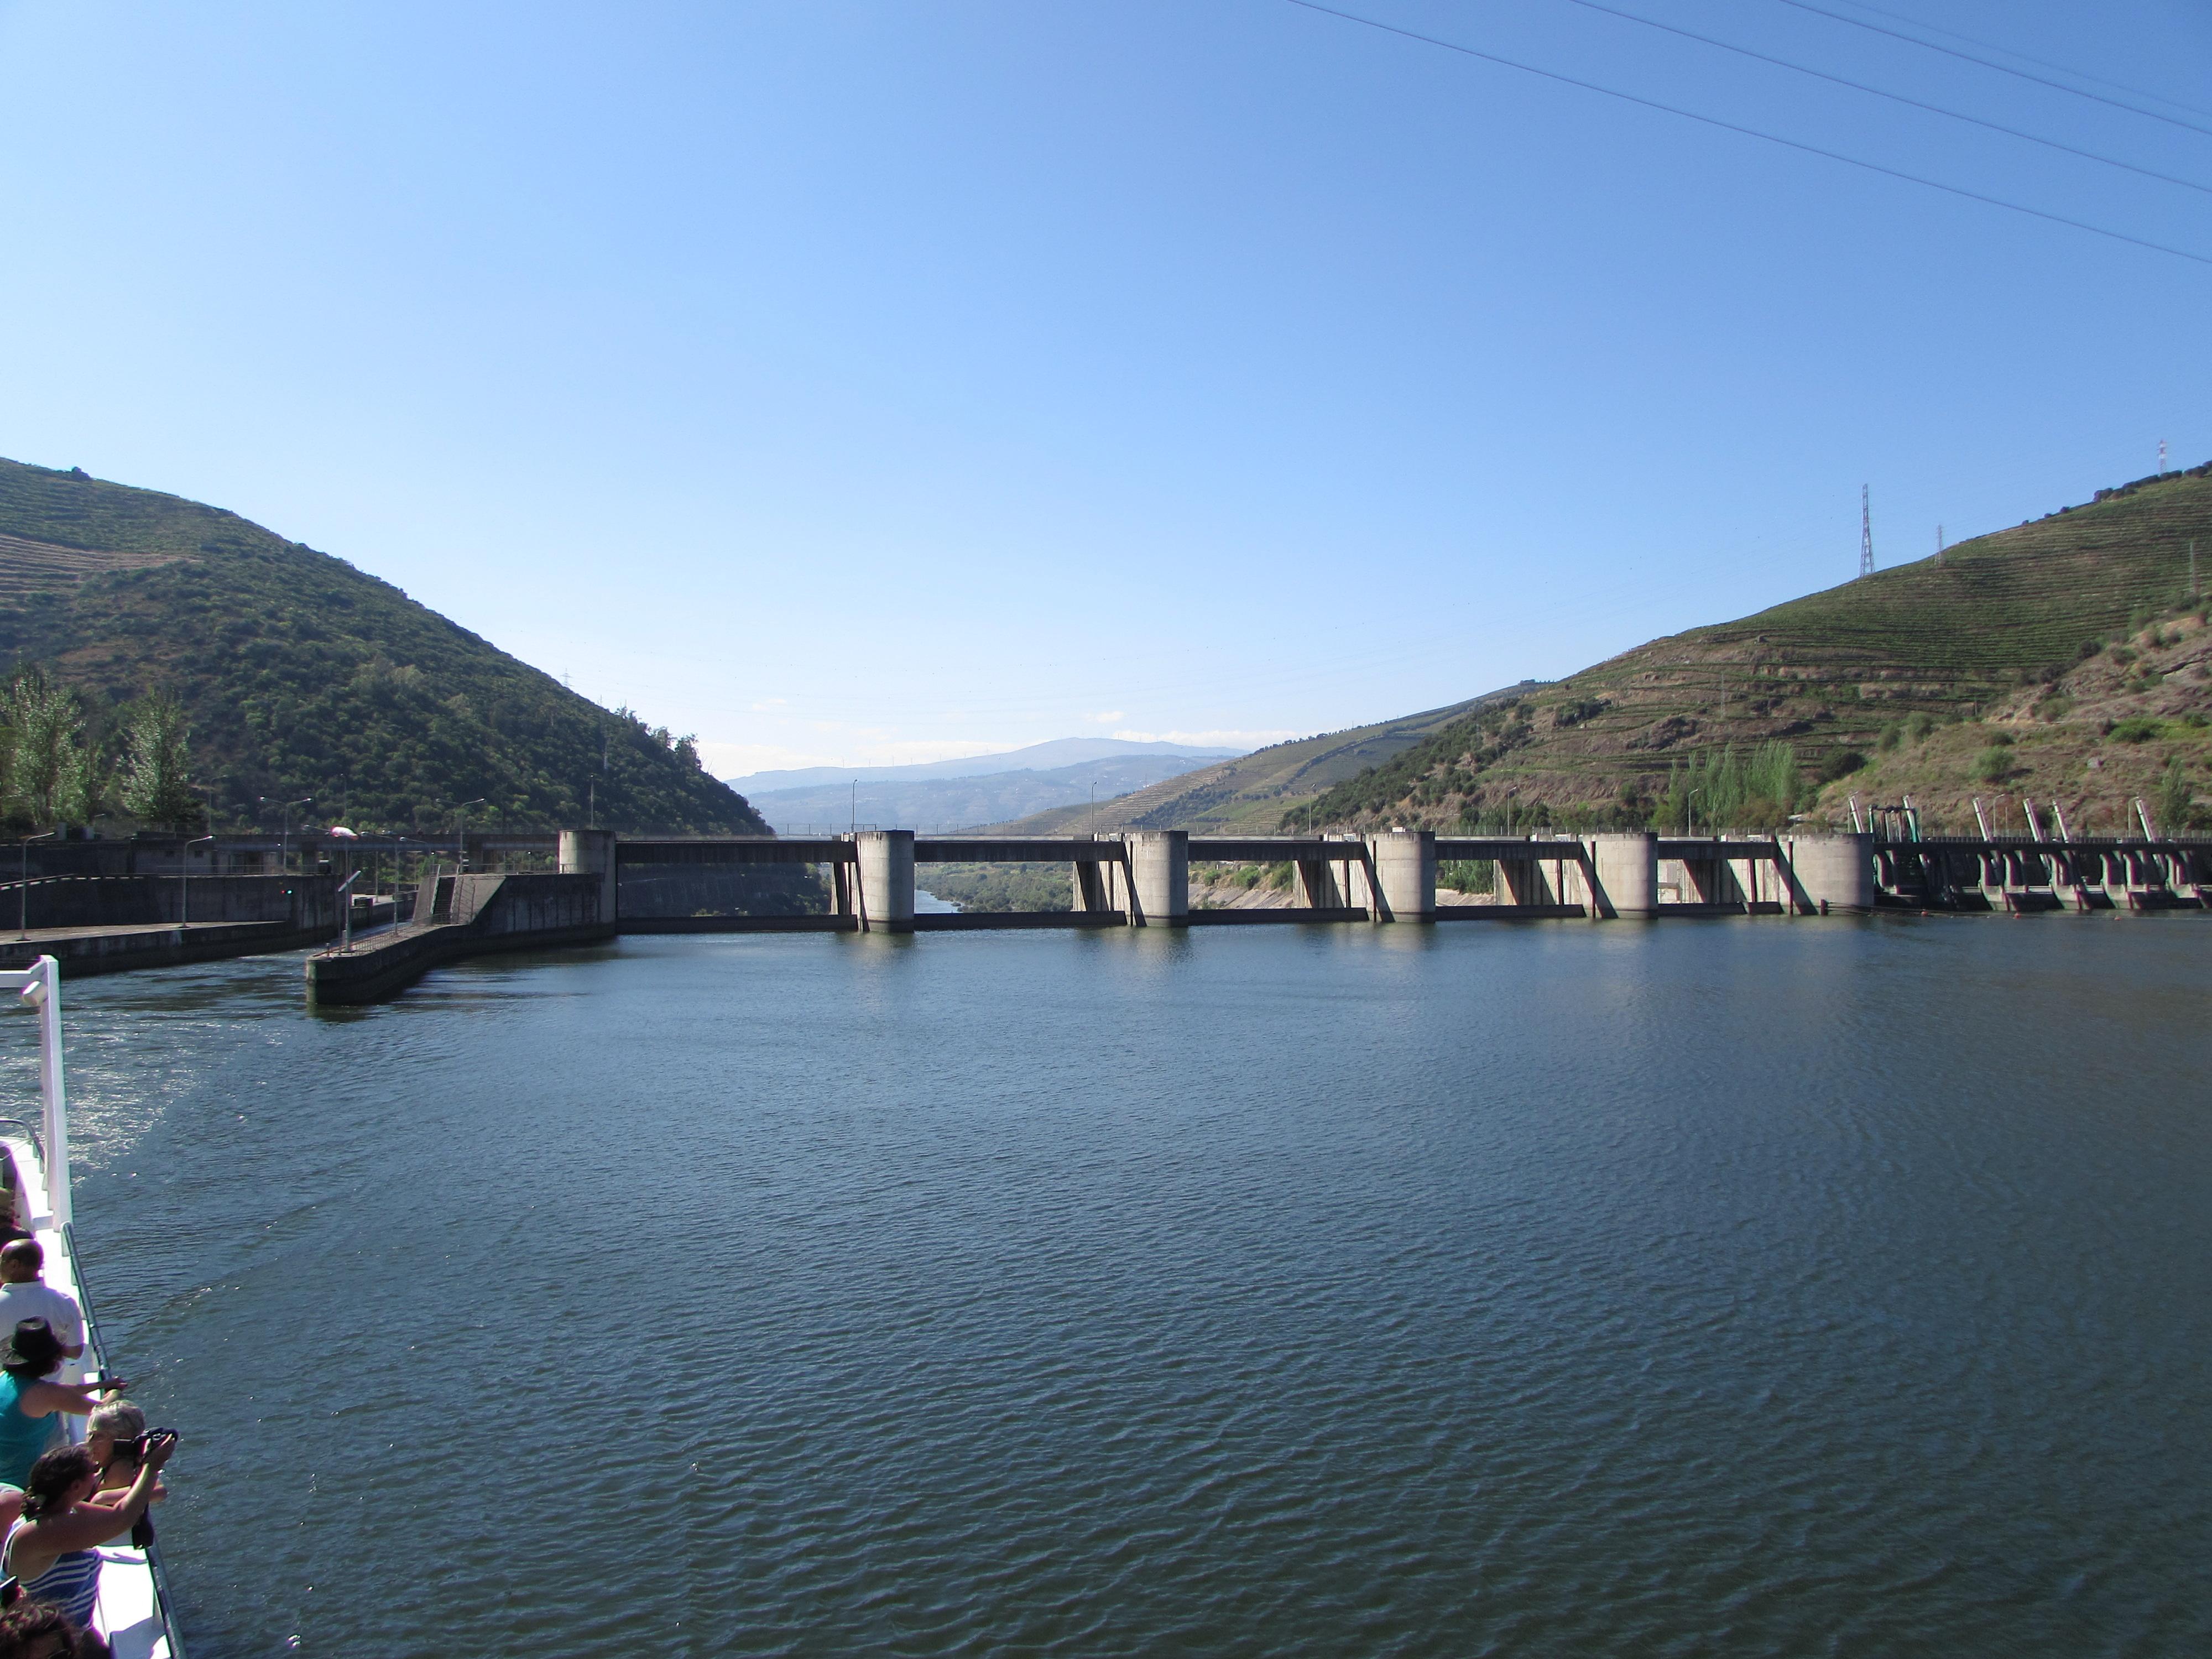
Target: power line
x=1991, y=46
x=2001, y=69
x=1895, y=97
x=1754, y=132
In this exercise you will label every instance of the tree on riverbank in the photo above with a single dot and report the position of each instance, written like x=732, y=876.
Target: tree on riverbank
x=52, y=770
x=157, y=763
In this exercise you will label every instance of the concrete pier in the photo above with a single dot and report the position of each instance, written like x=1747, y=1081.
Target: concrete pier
x=1829, y=875
x=1159, y=877
x=1402, y=876
x=1626, y=873
x=591, y=853
x=884, y=866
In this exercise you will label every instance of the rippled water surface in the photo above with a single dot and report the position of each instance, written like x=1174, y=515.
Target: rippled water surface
x=1766, y=1287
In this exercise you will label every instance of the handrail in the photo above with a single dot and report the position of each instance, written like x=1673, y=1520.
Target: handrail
x=97, y=1345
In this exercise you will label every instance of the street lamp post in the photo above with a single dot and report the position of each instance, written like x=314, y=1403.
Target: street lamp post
x=345, y=911
x=23, y=891
x=284, y=853
x=184, y=881
x=460, y=833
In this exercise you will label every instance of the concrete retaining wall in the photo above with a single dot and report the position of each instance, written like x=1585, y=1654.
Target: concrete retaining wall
x=488, y=914
x=92, y=953
x=303, y=901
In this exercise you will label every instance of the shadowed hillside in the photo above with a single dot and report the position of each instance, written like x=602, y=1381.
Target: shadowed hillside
x=302, y=676
x=2044, y=641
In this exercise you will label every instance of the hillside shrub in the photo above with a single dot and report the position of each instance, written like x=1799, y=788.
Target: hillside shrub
x=1918, y=724
x=2176, y=807
x=1890, y=736
x=1467, y=875
x=2137, y=728
x=1991, y=764
x=1733, y=791
x=1841, y=764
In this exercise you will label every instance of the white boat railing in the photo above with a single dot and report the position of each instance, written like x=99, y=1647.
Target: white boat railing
x=40, y=986
x=137, y=1613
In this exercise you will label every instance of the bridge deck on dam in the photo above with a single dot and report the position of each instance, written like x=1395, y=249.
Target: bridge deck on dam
x=1218, y=849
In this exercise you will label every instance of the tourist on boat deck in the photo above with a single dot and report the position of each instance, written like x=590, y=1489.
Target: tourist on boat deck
x=39, y=1629
x=53, y=1551
x=30, y=1405
x=24, y=1295
x=115, y=1434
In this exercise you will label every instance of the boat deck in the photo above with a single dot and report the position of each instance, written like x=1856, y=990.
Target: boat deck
x=130, y=1612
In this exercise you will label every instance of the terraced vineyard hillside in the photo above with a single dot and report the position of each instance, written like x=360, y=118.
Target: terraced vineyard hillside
x=2042, y=638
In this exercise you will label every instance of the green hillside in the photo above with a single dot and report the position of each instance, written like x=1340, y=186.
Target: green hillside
x=301, y=676
x=2042, y=641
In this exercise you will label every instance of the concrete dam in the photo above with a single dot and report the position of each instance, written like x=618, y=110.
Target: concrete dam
x=603, y=885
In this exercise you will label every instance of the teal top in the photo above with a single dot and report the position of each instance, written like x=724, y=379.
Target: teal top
x=23, y=1437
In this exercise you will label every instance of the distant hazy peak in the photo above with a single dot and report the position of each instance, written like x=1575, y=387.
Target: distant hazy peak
x=1037, y=758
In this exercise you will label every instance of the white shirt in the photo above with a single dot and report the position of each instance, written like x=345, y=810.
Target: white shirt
x=39, y=1301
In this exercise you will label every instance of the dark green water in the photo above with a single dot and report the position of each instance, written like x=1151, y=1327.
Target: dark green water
x=1756, y=1288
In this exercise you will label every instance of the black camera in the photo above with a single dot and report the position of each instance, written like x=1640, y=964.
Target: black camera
x=135, y=1447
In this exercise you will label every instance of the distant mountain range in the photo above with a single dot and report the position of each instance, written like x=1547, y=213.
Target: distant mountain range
x=1248, y=794
x=919, y=798
x=1037, y=758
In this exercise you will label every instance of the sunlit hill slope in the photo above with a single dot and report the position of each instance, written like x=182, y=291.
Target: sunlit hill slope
x=2064, y=658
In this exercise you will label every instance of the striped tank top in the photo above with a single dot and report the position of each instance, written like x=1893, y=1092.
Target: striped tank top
x=72, y=1583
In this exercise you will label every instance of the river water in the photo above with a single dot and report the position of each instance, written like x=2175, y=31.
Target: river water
x=1741, y=1288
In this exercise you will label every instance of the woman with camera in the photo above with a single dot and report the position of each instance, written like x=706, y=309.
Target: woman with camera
x=53, y=1551
x=114, y=1433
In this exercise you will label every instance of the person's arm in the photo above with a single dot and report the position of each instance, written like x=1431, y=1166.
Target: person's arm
x=77, y=1399
x=107, y=1498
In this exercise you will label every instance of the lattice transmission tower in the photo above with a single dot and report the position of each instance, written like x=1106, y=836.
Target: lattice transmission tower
x=1866, y=534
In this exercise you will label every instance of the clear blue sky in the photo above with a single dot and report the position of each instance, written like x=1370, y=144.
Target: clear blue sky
x=870, y=383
